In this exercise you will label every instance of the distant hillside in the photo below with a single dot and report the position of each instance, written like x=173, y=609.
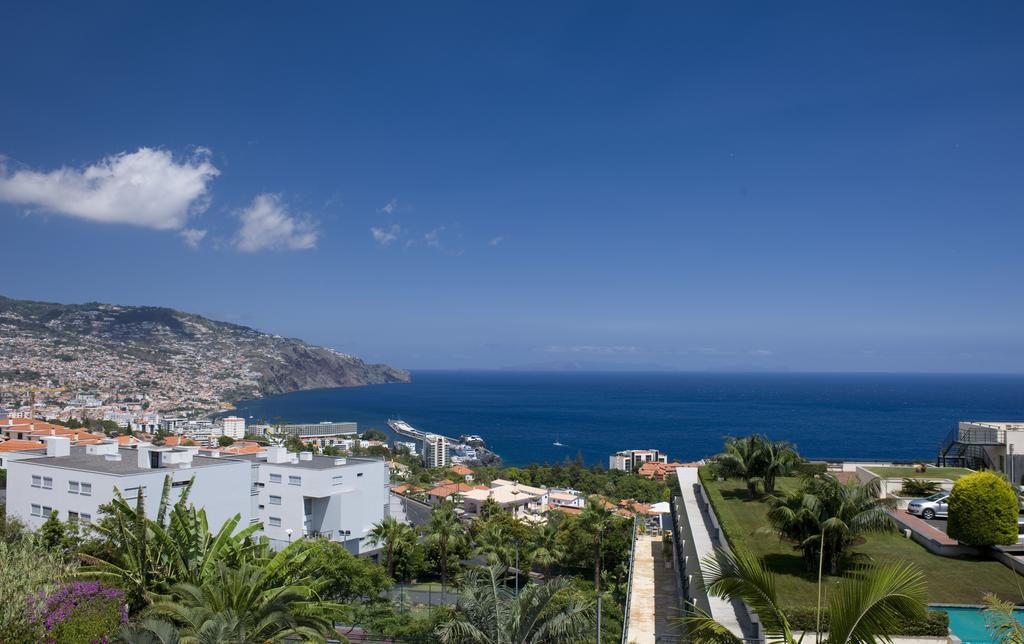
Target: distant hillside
x=166, y=353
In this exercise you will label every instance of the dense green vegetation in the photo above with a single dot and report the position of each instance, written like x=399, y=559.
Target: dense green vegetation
x=950, y=580
x=881, y=600
x=983, y=510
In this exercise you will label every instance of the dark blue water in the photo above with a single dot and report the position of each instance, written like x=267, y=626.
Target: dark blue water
x=884, y=416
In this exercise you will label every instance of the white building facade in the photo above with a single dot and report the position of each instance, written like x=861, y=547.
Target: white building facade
x=293, y=495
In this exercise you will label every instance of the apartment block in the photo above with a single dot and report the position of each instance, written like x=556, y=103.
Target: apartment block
x=436, y=451
x=631, y=460
x=293, y=495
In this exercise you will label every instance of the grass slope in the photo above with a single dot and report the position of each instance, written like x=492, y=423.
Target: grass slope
x=953, y=581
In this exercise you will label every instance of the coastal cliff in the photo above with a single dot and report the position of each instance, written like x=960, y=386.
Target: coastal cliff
x=167, y=355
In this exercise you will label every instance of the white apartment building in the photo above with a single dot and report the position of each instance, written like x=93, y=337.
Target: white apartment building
x=997, y=445
x=630, y=460
x=76, y=481
x=293, y=495
x=234, y=427
x=436, y=451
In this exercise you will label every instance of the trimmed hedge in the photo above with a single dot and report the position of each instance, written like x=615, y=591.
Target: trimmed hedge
x=983, y=510
x=936, y=624
x=810, y=468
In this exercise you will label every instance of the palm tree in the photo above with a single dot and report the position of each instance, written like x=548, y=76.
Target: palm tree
x=1001, y=622
x=149, y=631
x=863, y=609
x=827, y=514
x=776, y=458
x=495, y=543
x=489, y=612
x=742, y=460
x=547, y=550
x=445, y=530
x=597, y=519
x=390, y=532
x=248, y=604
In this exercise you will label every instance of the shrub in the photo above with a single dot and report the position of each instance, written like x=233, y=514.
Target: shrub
x=810, y=468
x=919, y=487
x=81, y=612
x=935, y=624
x=983, y=510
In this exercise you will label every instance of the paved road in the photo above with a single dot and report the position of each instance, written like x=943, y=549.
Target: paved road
x=418, y=513
x=653, y=602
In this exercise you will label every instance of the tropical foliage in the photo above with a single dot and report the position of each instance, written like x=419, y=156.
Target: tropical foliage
x=825, y=518
x=447, y=533
x=255, y=602
x=983, y=510
x=397, y=539
x=1002, y=624
x=490, y=613
x=863, y=608
x=919, y=487
x=757, y=460
x=145, y=557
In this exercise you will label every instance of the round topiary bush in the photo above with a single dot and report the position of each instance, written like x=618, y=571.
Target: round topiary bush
x=983, y=510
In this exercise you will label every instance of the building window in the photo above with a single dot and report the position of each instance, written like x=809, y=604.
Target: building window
x=72, y=516
x=86, y=489
x=73, y=487
x=37, y=510
x=85, y=517
x=37, y=481
x=47, y=483
x=275, y=500
x=275, y=522
x=294, y=480
x=275, y=478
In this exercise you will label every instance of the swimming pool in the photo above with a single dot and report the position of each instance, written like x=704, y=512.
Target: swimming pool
x=969, y=623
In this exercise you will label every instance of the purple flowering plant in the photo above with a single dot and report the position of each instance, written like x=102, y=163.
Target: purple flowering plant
x=81, y=611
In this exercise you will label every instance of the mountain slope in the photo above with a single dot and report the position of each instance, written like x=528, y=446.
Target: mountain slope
x=168, y=355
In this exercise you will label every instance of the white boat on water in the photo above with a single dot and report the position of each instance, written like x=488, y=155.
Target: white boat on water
x=557, y=442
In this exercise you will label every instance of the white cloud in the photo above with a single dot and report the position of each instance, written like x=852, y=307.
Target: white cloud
x=192, y=237
x=143, y=188
x=433, y=238
x=389, y=208
x=761, y=353
x=495, y=241
x=385, y=236
x=267, y=224
x=589, y=348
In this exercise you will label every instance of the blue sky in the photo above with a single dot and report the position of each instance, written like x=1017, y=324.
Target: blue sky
x=802, y=186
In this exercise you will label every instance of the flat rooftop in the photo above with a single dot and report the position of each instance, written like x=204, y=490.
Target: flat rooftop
x=128, y=465
x=317, y=462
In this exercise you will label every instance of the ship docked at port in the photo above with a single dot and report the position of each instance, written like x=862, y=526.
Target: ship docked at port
x=438, y=450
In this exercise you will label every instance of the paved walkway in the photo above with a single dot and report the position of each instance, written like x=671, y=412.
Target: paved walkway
x=921, y=526
x=653, y=597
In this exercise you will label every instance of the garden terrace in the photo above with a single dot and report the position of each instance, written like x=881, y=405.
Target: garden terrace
x=950, y=473
x=950, y=580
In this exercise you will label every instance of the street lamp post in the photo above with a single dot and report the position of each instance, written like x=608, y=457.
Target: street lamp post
x=289, y=533
x=516, y=542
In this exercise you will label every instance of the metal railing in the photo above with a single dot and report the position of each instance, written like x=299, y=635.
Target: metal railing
x=629, y=579
x=981, y=436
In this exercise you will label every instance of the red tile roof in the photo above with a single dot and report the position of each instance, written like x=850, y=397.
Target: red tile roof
x=16, y=445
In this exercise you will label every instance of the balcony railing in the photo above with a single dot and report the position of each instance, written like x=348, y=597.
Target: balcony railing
x=982, y=436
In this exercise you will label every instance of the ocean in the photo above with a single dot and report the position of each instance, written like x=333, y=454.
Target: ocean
x=687, y=415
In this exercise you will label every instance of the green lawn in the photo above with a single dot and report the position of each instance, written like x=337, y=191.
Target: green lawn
x=951, y=473
x=953, y=581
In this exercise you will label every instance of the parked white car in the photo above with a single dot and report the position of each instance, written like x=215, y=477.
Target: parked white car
x=936, y=505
